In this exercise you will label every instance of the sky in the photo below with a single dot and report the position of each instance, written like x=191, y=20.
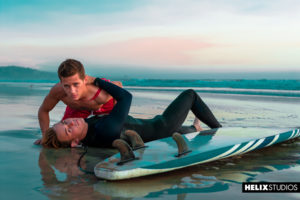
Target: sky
x=167, y=35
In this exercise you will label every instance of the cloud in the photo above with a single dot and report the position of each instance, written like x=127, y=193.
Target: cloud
x=157, y=33
x=154, y=51
x=77, y=18
x=150, y=51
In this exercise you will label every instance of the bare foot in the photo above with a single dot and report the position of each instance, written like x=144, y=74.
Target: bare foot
x=196, y=124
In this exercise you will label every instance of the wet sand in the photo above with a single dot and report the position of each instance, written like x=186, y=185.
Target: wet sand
x=33, y=172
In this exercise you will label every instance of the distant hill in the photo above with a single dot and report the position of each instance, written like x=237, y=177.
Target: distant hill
x=16, y=73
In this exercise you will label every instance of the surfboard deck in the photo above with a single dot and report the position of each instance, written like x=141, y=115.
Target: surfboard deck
x=161, y=155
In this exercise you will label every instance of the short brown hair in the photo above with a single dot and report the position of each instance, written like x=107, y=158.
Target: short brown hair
x=70, y=67
x=50, y=140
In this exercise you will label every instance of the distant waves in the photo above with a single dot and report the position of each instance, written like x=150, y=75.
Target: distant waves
x=218, y=83
x=262, y=87
x=288, y=88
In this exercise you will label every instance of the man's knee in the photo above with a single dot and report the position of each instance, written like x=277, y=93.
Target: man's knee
x=190, y=92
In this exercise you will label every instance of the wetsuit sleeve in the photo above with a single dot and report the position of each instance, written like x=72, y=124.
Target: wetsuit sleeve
x=115, y=91
x=109, y=127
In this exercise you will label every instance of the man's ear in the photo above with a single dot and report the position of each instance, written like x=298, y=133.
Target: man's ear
x=75, y=143
x=86, y=79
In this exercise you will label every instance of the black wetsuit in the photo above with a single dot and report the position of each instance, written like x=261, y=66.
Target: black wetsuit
x=102, y=131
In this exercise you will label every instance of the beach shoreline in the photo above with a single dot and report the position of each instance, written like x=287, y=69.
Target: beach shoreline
x=39, y=173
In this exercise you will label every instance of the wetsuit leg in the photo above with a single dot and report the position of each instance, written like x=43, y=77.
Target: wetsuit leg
x=173, y=117
x=177, y=111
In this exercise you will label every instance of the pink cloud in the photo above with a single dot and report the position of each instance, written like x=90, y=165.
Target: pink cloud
x=159, y=51
x=150, y=51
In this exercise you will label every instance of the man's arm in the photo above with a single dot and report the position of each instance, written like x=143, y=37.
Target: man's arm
x=91, y=79
x=103, y=97
x=48, y=104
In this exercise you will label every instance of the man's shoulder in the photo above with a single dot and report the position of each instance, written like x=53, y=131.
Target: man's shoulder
x=92, y=89
x=57, y=91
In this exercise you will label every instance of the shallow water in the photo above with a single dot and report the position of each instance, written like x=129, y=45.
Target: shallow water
x=33, y=172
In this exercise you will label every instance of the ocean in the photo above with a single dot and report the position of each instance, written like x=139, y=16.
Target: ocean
x=288, y=88
x=30, y=171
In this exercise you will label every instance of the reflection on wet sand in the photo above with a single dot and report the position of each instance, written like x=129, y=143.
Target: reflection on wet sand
x=76, y=183
x=206, y=178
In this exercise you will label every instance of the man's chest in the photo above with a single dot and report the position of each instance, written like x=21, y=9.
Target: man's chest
x=82, y=104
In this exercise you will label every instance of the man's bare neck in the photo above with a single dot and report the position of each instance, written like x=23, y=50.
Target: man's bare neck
x=85, y=94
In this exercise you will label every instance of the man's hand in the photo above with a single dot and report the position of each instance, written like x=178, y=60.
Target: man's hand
x=38, y=142
x=89, y=79
x=118, y=83
x=48, y=104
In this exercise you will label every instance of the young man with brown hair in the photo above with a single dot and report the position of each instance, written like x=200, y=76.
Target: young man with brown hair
x=77, y=91
x=103, y=131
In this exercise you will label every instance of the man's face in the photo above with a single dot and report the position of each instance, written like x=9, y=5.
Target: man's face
x=73, y=86
x=70, y=129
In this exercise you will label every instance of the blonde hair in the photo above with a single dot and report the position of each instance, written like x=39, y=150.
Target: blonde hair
x=50, y=140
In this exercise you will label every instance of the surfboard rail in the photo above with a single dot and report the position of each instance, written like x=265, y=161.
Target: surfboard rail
x=207, y=151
